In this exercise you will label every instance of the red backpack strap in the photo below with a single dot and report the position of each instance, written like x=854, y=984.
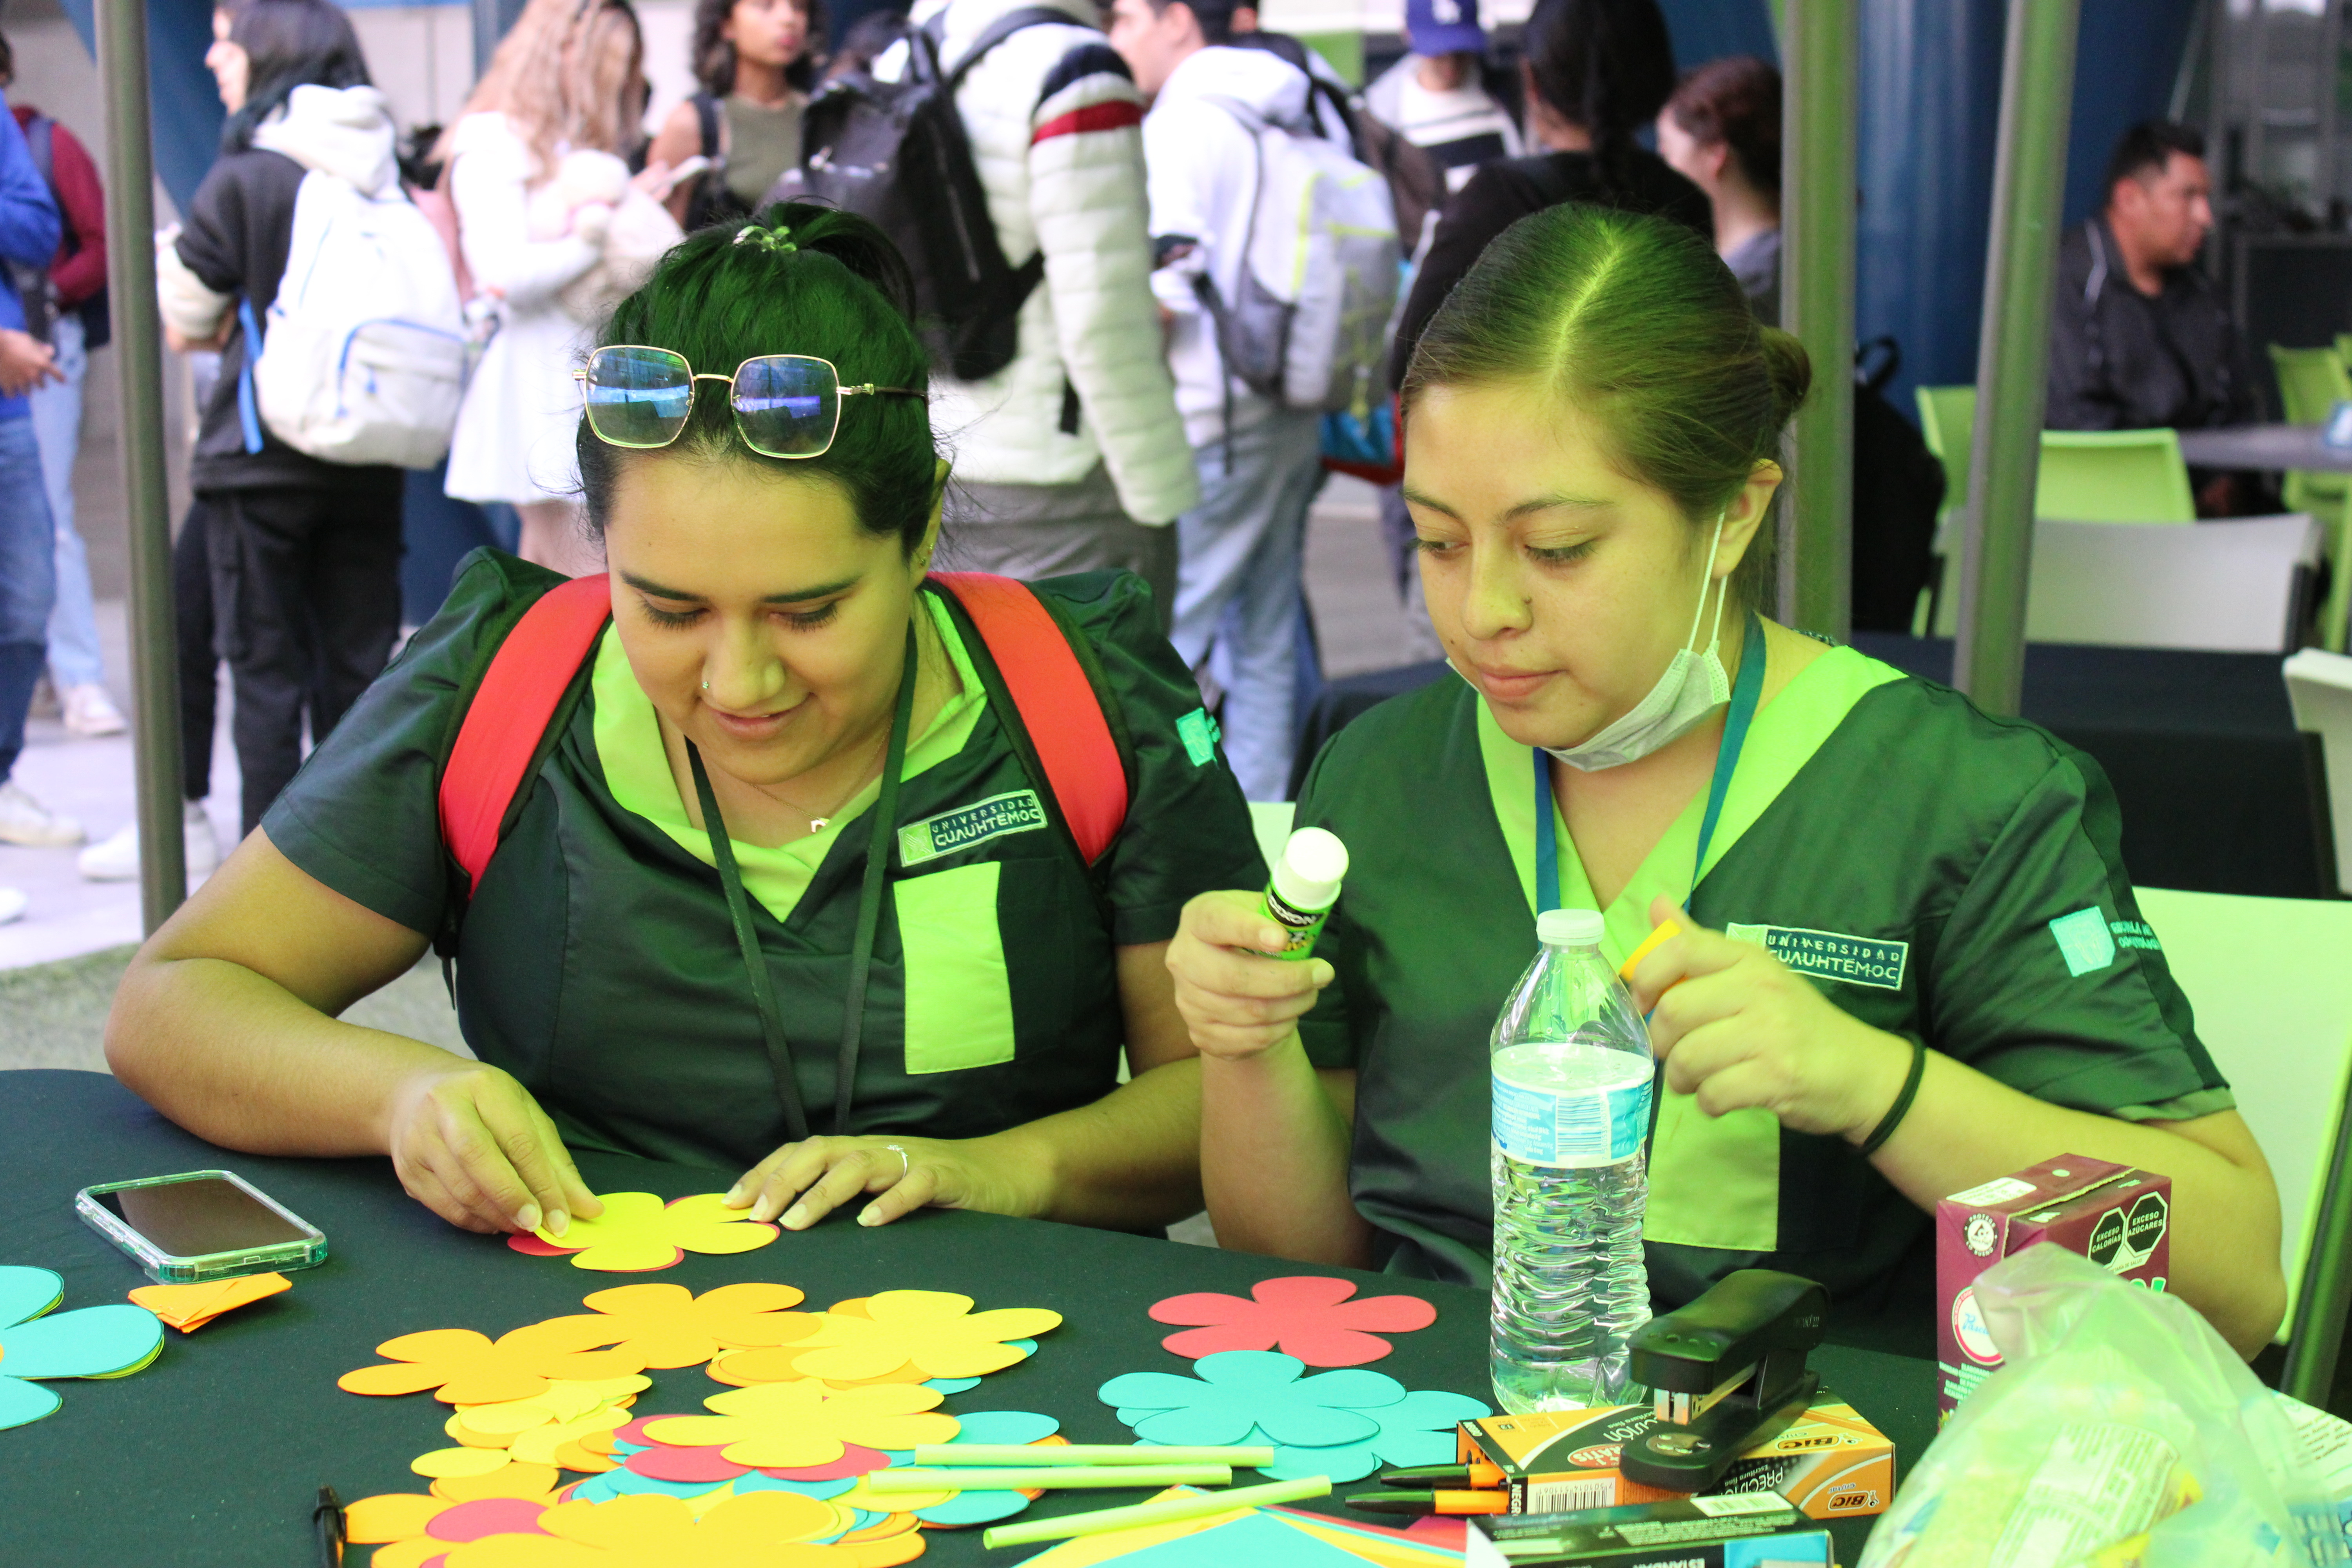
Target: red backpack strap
x=509, y=715
x=1057, y=703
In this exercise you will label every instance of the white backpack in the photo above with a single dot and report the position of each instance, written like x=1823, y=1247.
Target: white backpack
x=366, y=355
x=1318, y=279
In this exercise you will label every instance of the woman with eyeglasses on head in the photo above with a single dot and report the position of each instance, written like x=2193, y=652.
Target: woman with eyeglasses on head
x=794, y=811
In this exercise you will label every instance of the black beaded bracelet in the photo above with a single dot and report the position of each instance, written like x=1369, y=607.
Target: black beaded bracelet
x=1896, y=1112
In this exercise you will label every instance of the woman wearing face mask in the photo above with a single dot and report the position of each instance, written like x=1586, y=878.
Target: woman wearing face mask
x=1911, y=960
x=788, y=821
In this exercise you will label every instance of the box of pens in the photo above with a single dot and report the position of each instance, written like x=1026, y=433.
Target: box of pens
x=1745, y=1531
x=1829, y=1463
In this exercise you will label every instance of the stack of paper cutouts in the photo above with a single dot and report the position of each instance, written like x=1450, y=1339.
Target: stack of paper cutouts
x=1344, y=1423
x=637, y=1233
x=112, y=1341
x=771, y=1470
x=1250, y=1538
x=188, y=1308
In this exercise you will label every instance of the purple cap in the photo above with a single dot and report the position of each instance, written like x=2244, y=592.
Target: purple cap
x=1444, y=27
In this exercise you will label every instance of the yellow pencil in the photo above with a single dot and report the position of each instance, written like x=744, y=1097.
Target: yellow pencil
x=1042, y=1478
x=1019, y=1454
x=1168, y=1511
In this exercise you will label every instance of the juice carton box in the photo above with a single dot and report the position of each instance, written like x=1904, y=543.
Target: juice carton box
x=1829, y=1463
x=2118, y=1218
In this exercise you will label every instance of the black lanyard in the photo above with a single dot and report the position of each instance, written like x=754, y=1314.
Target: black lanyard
x=869, y=920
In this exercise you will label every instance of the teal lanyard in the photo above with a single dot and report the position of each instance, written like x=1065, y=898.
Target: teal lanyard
x=1746, y=691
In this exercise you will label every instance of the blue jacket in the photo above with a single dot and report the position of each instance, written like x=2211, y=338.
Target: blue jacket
x=29, y=229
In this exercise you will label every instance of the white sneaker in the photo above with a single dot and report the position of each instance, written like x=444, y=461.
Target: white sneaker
x=90, y=712
x=24, y=820
x=115, y=858
x=12, y=905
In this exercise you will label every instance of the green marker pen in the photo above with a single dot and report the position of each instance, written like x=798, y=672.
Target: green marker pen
x=1305, y=887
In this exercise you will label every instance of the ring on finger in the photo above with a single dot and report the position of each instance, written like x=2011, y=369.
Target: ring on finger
x=906, y=1165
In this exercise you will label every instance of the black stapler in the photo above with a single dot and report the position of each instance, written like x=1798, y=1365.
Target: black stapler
x=1729, y=1372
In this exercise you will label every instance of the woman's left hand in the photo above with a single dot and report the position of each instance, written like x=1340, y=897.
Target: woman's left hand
x=1735, y=1027
x=802, y=1182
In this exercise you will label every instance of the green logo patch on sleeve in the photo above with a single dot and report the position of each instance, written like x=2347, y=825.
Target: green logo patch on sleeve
x=1200, y=734
x=1019, y=812
x=2083, y=940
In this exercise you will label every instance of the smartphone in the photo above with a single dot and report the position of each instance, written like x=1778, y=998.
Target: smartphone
x=200, y=1225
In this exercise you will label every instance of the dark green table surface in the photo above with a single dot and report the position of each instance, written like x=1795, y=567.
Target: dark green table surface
x=214, y=1453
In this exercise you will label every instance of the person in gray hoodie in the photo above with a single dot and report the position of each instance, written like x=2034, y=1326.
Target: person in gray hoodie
x=305, y=554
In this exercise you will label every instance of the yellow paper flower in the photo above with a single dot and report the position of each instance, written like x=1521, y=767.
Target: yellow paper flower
x=638, y=1232
x=935, y=1330
x=759, y=1530
x=800, y=1424
x=670, y=1326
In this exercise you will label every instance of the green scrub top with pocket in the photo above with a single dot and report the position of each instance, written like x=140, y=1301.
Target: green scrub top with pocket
x=596, y=962
x=1940, y=874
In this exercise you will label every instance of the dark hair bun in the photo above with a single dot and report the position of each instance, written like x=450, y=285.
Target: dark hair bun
x=855, y=242
x=1791, y=370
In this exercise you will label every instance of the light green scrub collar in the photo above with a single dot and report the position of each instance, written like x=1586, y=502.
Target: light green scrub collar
x=1715, y=1182
x=636, y=768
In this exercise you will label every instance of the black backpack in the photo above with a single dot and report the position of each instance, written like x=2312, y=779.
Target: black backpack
x=896, y=153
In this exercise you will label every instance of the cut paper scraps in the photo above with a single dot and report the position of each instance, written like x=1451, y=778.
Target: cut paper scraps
x=188, y=1308
x=559, y=1427
x=463, y=1367
x=1344, y=1424
x=1250, y=1538
x=639, y=1233
x=667, y=1326
x=112, y=1341
x=1310, y=1316
x=806, y=1423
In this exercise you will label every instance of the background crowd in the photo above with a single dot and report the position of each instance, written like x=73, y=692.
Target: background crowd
x=1122, y=153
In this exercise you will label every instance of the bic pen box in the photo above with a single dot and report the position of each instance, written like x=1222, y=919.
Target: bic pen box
x=1830, y=1464
x=1746, y=1531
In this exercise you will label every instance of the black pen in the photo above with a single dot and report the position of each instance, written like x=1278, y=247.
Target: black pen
x=327, y=1521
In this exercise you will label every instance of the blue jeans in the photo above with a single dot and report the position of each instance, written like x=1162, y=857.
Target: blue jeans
x=56, y=426
x=29, y=580
x=1238, y=565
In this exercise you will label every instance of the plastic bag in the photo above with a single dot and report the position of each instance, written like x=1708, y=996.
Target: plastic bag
x=2121, y=1432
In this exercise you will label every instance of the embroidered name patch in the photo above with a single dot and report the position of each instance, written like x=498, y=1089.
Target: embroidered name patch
x=1019, y=812
x=1199, y=733
x=1828, y=955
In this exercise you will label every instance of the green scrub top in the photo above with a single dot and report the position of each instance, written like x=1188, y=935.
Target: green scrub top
x=1938, y=873
x=596, y=962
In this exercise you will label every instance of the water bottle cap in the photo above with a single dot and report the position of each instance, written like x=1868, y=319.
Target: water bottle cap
x=1570, y=928
x=1313, y=865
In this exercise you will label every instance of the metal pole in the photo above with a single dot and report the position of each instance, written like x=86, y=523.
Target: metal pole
x=1819, y=43
x=2029, y=184
x=122, y=26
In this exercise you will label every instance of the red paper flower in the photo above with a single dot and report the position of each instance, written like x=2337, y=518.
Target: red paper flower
x=1307, y=1316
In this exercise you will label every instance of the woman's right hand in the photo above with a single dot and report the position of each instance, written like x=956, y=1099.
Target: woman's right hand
x=1237, y=1001
x=469, y=1143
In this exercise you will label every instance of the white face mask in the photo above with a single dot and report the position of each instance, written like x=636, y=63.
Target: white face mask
x=1694, y=685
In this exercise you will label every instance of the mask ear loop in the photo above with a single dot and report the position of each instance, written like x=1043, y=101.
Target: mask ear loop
x=1706, y=580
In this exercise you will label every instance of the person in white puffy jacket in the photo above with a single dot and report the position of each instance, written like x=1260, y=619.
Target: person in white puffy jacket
x=1238, y=594
x=1071, y=458
x=567, y=79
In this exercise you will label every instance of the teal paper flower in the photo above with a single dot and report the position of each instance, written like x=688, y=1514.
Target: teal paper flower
x=90, y=1342
x=1235, y=1391
x=1416, y=1430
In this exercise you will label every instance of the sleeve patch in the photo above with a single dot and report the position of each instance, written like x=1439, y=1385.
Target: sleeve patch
x=1114, y=116
x=1200, y=734
x=2083, y=940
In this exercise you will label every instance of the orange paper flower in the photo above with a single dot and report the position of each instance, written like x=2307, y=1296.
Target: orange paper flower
x=669, y=1326
x=463, y=1367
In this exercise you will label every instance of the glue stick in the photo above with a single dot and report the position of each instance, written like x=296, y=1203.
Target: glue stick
x=1305, y=887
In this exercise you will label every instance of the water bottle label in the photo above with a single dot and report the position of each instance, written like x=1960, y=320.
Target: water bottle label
x=1581, y=1127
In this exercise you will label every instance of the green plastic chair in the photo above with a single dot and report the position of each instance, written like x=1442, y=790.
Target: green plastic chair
x=1946, y=416
x=2113, y=476
x=2311, y=383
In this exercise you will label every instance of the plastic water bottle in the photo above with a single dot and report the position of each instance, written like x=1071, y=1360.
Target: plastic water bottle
x=1572, y=1075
